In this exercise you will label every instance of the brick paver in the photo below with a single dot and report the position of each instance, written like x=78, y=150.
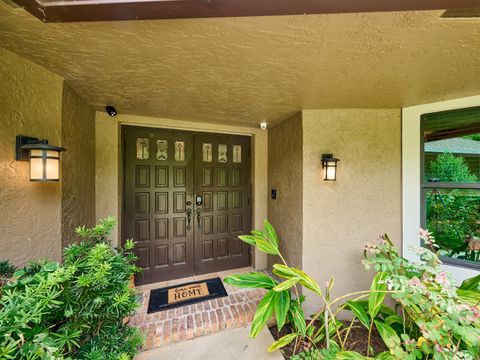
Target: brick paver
x=191, y=321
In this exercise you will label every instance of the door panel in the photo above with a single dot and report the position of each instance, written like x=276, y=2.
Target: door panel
x=225, y=212
x=163, y=170
x=158, y=184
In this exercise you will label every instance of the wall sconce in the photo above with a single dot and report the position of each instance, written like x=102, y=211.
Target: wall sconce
x=329, y=165
x=44, y=158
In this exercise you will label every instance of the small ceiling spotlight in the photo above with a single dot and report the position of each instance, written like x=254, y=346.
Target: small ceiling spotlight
x=263, y=125
x=111, y=110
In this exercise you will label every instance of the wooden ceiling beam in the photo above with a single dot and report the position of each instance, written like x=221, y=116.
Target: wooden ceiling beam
x=110, y=10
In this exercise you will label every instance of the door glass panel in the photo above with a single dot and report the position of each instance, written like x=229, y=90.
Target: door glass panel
x=162, y=150
x=237, y=153
x=142, y=149
x=207, y=152
x=222, y=153
x=179, y=151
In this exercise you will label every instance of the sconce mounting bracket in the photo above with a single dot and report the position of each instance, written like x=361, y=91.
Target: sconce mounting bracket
x=22, y=154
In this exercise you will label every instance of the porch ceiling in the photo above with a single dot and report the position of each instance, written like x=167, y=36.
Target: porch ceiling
x=244, y=70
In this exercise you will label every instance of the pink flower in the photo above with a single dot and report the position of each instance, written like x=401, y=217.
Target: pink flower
x=441, y=278
x=425, y=234
x=414, y=282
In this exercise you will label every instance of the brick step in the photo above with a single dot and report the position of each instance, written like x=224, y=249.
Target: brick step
x=191, y=321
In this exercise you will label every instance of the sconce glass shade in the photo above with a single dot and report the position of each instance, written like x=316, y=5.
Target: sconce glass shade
x=329, y=164
x=44, y=161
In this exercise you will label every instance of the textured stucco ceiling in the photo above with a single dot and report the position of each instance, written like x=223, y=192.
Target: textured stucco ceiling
x=244, y=70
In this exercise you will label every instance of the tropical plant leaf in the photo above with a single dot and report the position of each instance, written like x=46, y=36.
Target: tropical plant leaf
x=471, y=284
x=251, y=280
x=470, y=296
x=359, y=312
x=298, y=318
x=271, y=233
x=284, y=271
x=283, y=341
x=307, y=281
x=384, y=310
x=264, y=312
x=389, y=336
x=249, y=239
x=349, y=355
x=266, y=246
x=393, y=319
x=287, y=272
x=385, y=356
x=377, y=294
x=282, y=305
x=287, y=284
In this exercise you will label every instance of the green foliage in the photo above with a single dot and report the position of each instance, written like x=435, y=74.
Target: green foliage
x=449, y=168
x=278, y=300
x=433, y=319
x=437, y=321
x=475, y=137
x=6, y=269
x=452, y=215
x=75, y=310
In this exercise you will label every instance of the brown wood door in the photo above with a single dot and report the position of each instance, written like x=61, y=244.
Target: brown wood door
x=222, y=182
x=186, y=200
x=158, y=190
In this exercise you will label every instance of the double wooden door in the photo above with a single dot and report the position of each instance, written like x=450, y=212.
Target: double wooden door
x=186, y=201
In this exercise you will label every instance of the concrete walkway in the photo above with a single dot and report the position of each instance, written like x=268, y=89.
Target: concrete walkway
x=226, y=345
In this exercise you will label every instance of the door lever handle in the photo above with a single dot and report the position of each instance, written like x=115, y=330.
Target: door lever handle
x=189, y=219
x=199, y=214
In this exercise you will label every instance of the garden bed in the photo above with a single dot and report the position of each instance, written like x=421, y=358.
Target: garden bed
x=356, y=341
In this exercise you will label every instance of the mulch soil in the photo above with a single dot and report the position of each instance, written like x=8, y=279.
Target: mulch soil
x=357, y=340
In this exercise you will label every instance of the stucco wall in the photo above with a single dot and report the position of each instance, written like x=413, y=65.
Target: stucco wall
x=30, y=104
x=285, y=162
x=109, y=170
x=340, y=217
x=78, y=164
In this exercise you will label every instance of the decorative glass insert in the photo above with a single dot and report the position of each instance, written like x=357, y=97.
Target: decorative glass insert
x=179, y=150
x=237, y=153
x=222, y=153
x=162, y=150
x=142, y=149
x=207, y=152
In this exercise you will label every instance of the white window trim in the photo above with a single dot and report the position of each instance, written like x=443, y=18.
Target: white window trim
x=411, y=176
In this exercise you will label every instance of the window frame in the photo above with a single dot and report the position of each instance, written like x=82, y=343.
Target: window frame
x=411, y=179
x=425, y=186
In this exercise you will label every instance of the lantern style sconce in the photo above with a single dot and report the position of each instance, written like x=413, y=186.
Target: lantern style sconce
x=44, y=158
x=329, y=165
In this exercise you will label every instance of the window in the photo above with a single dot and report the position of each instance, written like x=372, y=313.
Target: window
x=450, y=183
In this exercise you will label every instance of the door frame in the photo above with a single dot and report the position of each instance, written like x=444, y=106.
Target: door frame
x=110, y=205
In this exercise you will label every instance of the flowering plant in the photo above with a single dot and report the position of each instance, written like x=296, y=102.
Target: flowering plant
x=440, y=321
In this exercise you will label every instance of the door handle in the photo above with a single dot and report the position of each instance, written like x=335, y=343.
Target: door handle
x=189, y=218
x=199, y=214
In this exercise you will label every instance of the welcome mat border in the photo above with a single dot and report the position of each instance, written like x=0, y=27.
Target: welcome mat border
x=217, y=285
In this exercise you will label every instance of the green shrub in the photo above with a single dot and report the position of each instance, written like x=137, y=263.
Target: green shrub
x=6, y=269
x=433, y=319
x=76, y=310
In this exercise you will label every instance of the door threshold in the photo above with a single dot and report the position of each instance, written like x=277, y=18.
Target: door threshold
x=220, y=274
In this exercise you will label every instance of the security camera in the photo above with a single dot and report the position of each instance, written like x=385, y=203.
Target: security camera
x=111, y=110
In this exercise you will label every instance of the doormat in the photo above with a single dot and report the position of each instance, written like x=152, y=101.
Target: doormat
x=185, y=294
